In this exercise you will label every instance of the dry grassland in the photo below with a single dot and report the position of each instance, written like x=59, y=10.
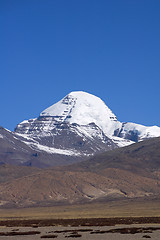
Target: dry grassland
x=134, y=208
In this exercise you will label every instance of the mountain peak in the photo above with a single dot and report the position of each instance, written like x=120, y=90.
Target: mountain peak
x=82, y=95
x=83, y=108
x=78, y=93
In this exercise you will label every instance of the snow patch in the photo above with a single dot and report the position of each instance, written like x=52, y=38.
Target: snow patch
x=1, y=136
x=121, y=142
x=52, y=150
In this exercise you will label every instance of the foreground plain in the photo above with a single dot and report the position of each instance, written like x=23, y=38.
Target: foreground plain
x=123, y=208
x=124, y=220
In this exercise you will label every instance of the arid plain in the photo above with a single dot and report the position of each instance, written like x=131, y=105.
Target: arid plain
x=133, y=219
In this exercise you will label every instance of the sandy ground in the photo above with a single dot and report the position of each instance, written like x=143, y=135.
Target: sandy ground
x=83, y=232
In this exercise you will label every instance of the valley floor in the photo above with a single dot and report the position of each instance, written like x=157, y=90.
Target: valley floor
x=124, y=220
x=109, y=209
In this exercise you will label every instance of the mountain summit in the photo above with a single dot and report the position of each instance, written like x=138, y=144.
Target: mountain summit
x=83, y=108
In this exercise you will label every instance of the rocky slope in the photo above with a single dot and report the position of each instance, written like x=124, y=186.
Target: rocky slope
x=129, y=172
x=14, y=150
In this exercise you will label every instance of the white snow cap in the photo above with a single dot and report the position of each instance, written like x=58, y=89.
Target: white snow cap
x=84, y=108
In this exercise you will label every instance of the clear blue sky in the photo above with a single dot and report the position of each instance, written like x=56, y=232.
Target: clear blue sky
x=110, y=48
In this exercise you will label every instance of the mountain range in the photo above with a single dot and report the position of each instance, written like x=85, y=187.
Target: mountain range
x=72, y=130
x=77, y=151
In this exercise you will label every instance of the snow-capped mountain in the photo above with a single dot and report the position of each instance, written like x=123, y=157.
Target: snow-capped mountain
x=83, y=108
x=70, y=131
x=80, y=125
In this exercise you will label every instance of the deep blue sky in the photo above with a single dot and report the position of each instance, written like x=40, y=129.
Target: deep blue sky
x=110, y=48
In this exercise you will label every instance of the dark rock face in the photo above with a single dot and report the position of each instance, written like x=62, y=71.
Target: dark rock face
x=131, y=135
